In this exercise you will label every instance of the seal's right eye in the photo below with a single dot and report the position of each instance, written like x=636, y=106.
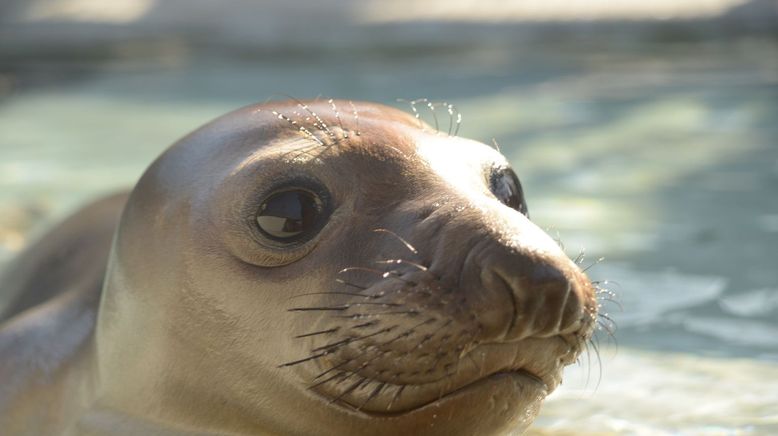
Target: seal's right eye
x=289, y=215
x=505, y=185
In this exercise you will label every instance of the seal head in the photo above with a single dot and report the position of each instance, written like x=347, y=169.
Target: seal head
x=334, y=268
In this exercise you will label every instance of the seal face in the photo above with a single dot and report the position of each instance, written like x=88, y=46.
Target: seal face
x=332, y=268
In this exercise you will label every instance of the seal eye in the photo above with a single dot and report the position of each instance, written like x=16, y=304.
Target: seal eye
x=285, y=216
x=505, y=185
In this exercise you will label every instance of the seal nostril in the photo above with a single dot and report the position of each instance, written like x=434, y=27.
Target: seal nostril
x=546, y=297
x=576, y=313
x=492, y=301
x=563, y=308
x=514, y=305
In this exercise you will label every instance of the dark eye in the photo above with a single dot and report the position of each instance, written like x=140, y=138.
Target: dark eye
x=506, y=187
x=289, y=215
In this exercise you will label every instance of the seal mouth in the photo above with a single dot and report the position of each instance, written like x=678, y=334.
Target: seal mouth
x=503, y=365
x=515, y=380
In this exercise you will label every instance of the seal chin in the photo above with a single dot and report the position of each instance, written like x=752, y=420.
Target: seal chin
x=495, y=404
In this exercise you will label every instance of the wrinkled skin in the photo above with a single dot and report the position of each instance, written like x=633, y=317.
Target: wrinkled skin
x=422, y=305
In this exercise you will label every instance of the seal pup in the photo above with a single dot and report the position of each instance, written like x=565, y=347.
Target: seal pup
x=301, y=268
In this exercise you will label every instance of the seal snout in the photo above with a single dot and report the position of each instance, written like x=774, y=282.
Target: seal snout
x=548, y=295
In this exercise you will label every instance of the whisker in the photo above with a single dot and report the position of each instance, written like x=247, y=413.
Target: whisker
x=350, y=374
x=403, y=262
x=611, y=301
x=370, y=303
x=383, y=274
x=580, y=258
x=431, y=107
x=339, y=280
x=607, y=282
x=458, y=120
x=327, y=380
x=356, y=117
x=596, y=347
x=609, y=326
x=415, y=111
x=352, y=294
x=608, y=318
x=321, y=332
x=408, y=332
x=334, y=345
x=449, y=111
x=364, y=325
x=340, y=343
x=340, y=374
x=601, y=290
x=350, y=389
x=299, y=127
x=321, y=124
x=395, y=397
x=297, y=362
x=558, y=240
x=496, y=145
x=343, y=307
x=593, y=264
x=337, y=117
x=372, y=395
x=339, y=365
x=364, y=315
x=324, y=308
x=588, y=365
x=429, y=336
x=407, y=244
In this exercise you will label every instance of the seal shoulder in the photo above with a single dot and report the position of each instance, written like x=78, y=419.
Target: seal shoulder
x=73, y=254
x=55, y=289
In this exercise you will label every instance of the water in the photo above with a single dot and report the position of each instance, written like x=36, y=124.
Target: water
x=663, y=160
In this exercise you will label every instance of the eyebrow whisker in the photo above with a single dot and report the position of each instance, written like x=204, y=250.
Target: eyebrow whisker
x=337, y=117
x=356, y=117
x=300, y=128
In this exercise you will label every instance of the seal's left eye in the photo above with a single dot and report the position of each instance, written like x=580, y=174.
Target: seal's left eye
x=287, y=215
x=505, y=185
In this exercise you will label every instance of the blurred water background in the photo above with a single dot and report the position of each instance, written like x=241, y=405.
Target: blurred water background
x=644, y=132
